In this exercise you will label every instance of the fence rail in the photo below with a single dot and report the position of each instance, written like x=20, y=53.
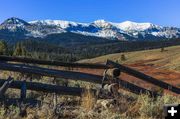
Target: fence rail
x=53, y=63
x=45, y=87
x=68, y=74
x=83, y=76
x=51, y=72
x=144, y=77
x=136, y=89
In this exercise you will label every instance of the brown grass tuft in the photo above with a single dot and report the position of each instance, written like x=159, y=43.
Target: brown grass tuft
x=88, y=100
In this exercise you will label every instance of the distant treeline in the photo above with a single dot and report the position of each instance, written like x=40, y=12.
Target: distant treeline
x=71, y=48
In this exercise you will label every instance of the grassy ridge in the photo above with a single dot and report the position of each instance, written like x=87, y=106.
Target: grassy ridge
x=168, y=59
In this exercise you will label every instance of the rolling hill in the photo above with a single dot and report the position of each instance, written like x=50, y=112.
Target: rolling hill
x=168, y=59
x=164, y=65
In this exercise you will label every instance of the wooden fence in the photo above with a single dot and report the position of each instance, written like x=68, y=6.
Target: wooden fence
x=53, y=63
x=144, y=77
x=49, y=88
x=29, y=69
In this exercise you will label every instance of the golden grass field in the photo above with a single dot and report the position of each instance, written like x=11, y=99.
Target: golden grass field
x=164, y=65
x=168, y=59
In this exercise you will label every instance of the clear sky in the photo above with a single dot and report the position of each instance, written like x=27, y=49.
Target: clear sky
x=161, y=12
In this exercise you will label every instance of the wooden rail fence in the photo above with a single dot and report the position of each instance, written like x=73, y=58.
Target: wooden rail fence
x=51, y=72
x=49, y=88
x=71, y=75
x=53, y=63
x=29, y=69
x=144, y=77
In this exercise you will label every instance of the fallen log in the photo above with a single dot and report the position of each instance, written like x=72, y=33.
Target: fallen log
x=144, y=77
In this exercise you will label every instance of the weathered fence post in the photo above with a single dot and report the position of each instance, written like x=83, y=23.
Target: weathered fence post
x=54, y=96
x=22, y=107
x=23, y=91
x=109, y=81
x=5, y=86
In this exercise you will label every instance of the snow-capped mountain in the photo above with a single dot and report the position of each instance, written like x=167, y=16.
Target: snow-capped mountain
x=123, y=31
x=13, y=24
x=133, y=26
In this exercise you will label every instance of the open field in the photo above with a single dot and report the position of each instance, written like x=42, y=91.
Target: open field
x=168, y=59
x=164, y=65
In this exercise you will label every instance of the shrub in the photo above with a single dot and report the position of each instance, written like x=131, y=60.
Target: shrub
x=123, y=58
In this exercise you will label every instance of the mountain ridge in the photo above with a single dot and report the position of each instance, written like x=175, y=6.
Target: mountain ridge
x=127, y=30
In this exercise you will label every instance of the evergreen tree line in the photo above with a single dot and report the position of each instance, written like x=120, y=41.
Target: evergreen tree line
x=18, y=50
x=69, y=52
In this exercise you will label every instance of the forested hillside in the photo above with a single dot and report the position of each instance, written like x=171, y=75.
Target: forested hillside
x=71, y=47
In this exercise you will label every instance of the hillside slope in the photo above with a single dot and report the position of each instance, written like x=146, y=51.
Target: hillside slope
x=168, y=59
x=164, y=65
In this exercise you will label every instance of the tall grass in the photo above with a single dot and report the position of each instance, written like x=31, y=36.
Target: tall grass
x=146, y=107
x=88, y=100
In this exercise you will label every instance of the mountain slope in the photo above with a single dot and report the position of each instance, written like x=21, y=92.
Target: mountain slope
x=100, y=28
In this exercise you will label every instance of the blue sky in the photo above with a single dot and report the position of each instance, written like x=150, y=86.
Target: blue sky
x=161, y=12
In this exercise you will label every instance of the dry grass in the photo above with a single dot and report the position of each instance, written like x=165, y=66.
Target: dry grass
x=150, y=108
x=169, y=59
x=88, y=100
x=142, y=107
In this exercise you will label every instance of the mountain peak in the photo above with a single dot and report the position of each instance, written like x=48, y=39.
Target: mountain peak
x=129, y=25
x=102, y=23
x=14, y=21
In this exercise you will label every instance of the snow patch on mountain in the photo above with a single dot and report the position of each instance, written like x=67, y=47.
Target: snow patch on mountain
x=133, y=26
x=127, y=30
x=102, y=24
x=58, y=23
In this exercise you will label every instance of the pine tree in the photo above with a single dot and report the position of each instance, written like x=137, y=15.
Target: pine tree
x=3, y=48
x=20, y=50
